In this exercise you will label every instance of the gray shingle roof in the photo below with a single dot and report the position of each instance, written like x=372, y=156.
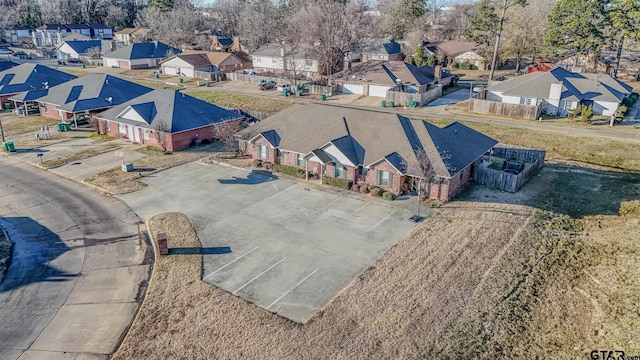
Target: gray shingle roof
x=180, y=112
x=387, y=72
x=575, y=86
x=155, y=50
x=367, y=137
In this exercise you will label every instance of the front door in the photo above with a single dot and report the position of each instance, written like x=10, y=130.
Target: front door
x=130, y=132
x=136, y=134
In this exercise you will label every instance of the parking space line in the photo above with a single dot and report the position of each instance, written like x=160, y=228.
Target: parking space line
x=326, y=205
x=254, y=188
x=262, y=273
x=350, y=219
x=290, y=290
x=232, y=261
x=381, y=221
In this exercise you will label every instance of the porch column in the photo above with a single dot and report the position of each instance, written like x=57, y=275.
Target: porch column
x=306, y=170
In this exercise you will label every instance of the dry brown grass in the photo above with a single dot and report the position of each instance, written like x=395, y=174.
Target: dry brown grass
x=14, y=125
x=396, y=309
x=117, y=181
x=246, y=102
x=78, y=156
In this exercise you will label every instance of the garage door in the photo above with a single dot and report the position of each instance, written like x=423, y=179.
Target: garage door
x=123, y=64
x=169, y=70
x=351, y=88
x=380, y=91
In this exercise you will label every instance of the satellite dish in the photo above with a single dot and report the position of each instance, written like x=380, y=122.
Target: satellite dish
x=109, y=99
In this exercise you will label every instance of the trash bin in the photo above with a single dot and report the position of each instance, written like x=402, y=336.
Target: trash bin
x=384, y=103
x=207, y=84
x=83, y=65
x=7, y=106
x=390, y=104
x=285, y=93
x=156, y=75
x=180, y=80
x=67, y=126
x=413, y=103
x=127, y=167
x=59, y=127
x=323, y=97
x=8, y=146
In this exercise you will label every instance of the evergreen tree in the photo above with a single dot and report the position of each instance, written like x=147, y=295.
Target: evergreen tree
x=575, y=25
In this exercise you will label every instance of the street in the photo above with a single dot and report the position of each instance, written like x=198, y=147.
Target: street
x=80, y=266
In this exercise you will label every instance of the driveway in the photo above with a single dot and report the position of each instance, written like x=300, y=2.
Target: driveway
x=79, y=267
x=453, y=98
x=288, y=247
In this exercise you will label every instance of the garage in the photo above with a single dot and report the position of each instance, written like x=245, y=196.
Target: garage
x=170, y=70
x=379, y=91
x=123, y=64
x=348, y=88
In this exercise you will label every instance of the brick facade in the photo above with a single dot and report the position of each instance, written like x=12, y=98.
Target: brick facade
x=396, y=181
x=174, y=142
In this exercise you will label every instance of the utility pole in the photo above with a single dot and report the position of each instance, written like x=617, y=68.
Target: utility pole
x=618, y=56
x=1, y=131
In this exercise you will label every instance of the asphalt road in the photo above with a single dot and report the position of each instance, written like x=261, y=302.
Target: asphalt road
x=80, y=268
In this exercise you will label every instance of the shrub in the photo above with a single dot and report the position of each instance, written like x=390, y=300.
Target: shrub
x=587, y=113
x=388, y=196
x=256, y=163
x=337, y=182
x=268, y=165
x=465, y=65
x=364, y=189
x=376, y=191
x=290, y=170
x=355, y=187
x=630, y=208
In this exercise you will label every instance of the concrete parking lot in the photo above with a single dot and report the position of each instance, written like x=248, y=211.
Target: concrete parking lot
x=288, y=247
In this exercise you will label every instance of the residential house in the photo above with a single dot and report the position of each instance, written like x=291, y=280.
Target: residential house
x=129, y=36
x=279, y=59
x=369, y=148
x=100, y=31
x=381, y=49
x=49, y=35
x=376, y=78
x=29, y=76
x=76, y=48
x=560, y=91
x=190, y=61
x=454, y=53
x=165, y=118
x=17, y=34
x=140, y=55
x=89, y=94
x=82, y=29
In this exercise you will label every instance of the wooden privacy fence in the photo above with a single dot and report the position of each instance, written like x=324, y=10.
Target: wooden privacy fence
x=254, y=78
x=400, y=98
x=320, y=89
x=506, y=181
x=210, y=76
x=488, y=107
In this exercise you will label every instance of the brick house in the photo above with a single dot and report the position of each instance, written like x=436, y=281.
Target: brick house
x=89, y=94
x=367, y=147
x=29, y=77
x=165, y=118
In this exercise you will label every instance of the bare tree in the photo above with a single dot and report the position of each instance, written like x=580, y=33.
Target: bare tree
x=421, y=170
x=203, y=42
x=225, y=132
x=227, y=16
x=94, y=52
x=257, y=23
x=161, y=128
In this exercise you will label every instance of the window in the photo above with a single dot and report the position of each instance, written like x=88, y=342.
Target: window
x=145, y=134
x=263, y=152
x=385, y=178
x=274, y=61
x=300, y=161
x=339, y=171
x=364, y=171
x=279, y=153
x=122, y=129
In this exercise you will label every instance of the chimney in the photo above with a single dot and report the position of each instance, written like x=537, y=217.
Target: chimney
x=214, y=42
x=437, y=72
x=236, y=44
x=113, y=45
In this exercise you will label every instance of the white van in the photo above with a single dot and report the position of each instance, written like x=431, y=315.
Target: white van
x=283, y=87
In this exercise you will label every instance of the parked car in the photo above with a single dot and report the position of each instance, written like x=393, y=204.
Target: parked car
x=478, y=88
x=82, y=119
x=266, y=85
x=74, y=61
x=31, y=110
x=21, y=54
x=5, y=51
x=283, y=87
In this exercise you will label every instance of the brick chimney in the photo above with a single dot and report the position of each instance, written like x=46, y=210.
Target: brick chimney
x=113, y=45
x=437, y=72
x=236, y=47
x=214, y=42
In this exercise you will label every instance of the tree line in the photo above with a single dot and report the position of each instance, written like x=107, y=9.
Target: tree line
x=329, y=29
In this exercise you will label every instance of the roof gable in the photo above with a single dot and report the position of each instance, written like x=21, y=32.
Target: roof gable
x=147, y=111
x=30, y=76
x=149, y=50
x=82, y=46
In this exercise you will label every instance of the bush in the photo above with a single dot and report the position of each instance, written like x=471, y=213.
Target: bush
x=364, y=189
x=256, y=163
x=465, y=65
x=630, y=208
x=290, y=170
x=587, y=113
x=388, y=196
x=376, y=191
x=621, y=112
x=355, y=187
x=268, y=165
x=337, y=182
